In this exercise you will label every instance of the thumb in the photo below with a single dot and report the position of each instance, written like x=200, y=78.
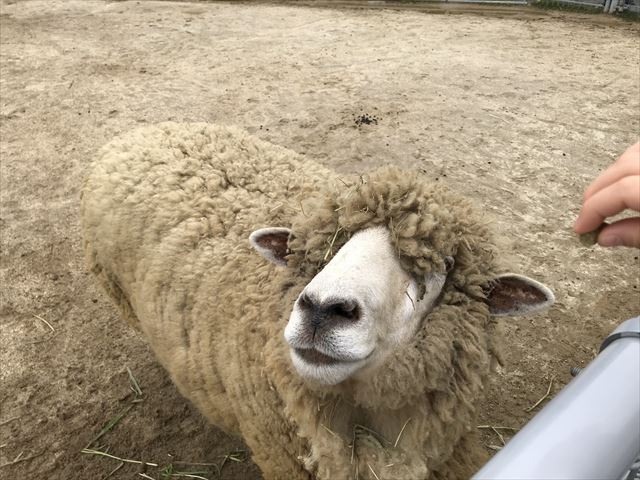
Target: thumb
x=621, y=233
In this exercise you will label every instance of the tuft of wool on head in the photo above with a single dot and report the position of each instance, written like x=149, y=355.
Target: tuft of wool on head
x=427, y=224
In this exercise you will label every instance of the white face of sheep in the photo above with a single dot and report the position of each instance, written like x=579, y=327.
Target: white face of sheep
x=362, y=306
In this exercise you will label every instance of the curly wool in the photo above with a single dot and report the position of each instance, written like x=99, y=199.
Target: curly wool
x=426, y=222
x=167, y=211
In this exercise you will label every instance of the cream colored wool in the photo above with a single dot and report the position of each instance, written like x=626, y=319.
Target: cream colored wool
x=167, y=211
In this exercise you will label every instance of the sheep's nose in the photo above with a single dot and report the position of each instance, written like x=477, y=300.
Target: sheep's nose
x=331, y=311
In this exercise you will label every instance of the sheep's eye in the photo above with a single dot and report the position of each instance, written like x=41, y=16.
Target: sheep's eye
x=449, y=263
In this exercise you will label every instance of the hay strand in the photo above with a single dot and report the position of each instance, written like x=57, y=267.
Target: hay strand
x=188, y=475
x=375, y=434
x=328, y=430
x=489, y=427
x=499, y=436
x=135, y=386
x=543, y=397
x=353, y=445
x=331, y=243
x=401, y=432
x=20, y=459
x=120, y=465
x=237, y=456
x=90, y=451
x=110, y=424
x=373, y=472
x=9, y=420
x=44, y=321
x=406, y=292
x=302, y=209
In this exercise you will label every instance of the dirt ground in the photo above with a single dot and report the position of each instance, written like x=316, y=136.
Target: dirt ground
x=518, y=111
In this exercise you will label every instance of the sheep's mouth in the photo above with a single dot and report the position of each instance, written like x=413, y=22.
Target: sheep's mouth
x=311, y=355
x=316, y=357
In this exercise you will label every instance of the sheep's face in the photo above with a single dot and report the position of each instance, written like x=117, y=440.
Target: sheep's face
x=357, y=310
x=363, y=305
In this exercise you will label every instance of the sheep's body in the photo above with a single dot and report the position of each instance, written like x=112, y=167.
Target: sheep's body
x=167, y=211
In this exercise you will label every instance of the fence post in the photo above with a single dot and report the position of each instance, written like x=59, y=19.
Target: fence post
x=591, y=429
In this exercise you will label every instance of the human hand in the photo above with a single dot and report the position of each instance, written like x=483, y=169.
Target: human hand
x=615, y=189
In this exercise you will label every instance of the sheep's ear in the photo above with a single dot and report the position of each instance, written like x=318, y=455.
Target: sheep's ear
x=271, y=243
x=511, y=294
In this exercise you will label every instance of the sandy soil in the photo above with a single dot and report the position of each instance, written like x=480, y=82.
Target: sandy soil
x=518, y=112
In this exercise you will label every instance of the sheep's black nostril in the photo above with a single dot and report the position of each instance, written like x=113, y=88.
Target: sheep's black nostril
x=347, y=309
x=329, y=311
x=304, y=301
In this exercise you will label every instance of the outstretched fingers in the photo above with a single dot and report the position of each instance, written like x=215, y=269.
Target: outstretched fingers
x=623, y=194
x=627, y=165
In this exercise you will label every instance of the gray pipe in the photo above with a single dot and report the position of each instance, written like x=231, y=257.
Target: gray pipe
x=590, y=430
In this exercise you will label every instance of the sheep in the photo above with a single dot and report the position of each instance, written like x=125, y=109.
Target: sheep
x=343, y=326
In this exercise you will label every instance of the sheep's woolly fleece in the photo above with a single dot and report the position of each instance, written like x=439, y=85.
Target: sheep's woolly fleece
x=167, y=211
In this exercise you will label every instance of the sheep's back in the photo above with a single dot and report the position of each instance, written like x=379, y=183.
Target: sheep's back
x=167, y=211
x=174, y=186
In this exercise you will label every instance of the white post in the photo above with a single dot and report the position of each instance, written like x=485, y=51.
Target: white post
x=591, y=429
